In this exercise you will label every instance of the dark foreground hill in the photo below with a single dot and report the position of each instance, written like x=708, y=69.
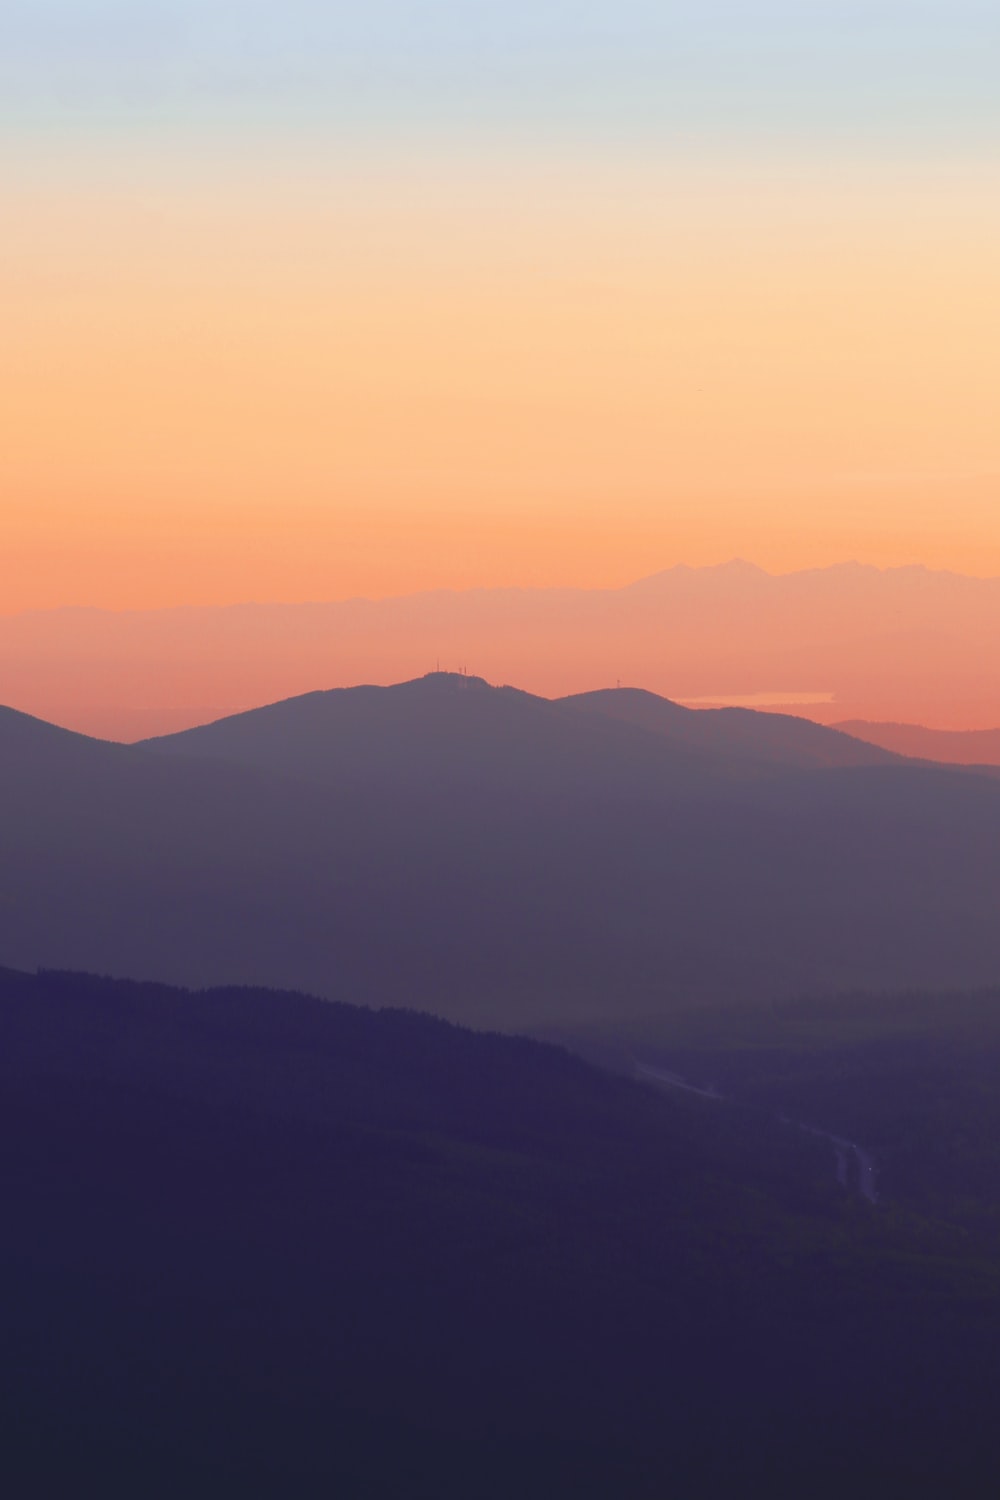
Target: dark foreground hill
x=258, y=1244
x=911, y=1078
x=496, y=857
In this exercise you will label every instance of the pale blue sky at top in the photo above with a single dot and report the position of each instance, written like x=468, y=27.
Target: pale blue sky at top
x=924, y=72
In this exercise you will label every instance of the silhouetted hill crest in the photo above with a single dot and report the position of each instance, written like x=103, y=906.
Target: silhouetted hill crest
x=498, y=857
x=765, y=738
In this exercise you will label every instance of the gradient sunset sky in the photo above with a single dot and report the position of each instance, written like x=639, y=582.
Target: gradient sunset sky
x=301, y=301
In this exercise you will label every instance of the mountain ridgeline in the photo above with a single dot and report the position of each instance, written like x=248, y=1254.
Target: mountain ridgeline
x=970, y=747
x=498, y=858
x=848, y=634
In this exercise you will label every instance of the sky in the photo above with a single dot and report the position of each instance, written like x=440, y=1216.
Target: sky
x=306, y=301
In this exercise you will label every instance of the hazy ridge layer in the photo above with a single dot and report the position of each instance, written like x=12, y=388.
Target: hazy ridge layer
x=970, y=747
x=906, y=644
x=498, y=858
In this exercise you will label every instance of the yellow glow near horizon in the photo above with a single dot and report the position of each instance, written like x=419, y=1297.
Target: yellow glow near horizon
x=376, y=381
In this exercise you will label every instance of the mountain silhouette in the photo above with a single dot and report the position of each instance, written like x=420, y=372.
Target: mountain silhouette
x=770, y=738
x=848, y=635
x=451, y=727
x=442, y=729
x=970, y=747
x=495, y=857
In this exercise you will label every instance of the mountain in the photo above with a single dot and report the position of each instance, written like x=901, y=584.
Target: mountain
x=31, y=745
x=460, y=730
x=971, y=747
x=494, y=857
x=848, y=642
x=768, y=738
x=445, y=732
x=265, y=1245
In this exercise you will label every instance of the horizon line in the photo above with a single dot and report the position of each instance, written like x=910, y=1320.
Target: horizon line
x=730, y=564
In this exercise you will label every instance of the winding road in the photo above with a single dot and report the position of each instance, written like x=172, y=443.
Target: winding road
x=867, y=1177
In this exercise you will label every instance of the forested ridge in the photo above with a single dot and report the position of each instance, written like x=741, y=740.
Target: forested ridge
x=260, y=1241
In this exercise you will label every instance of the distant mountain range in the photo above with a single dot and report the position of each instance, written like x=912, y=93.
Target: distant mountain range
x=774, y=739
x=847, y=643
x=497, y=857
x=971, y=747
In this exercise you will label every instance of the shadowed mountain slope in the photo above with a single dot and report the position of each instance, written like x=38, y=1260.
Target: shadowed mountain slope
x=264, y=1245
x=27, y=742
x=493, y=857
x=444, y=730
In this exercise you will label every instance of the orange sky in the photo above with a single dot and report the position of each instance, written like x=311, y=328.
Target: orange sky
x=385, y=376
